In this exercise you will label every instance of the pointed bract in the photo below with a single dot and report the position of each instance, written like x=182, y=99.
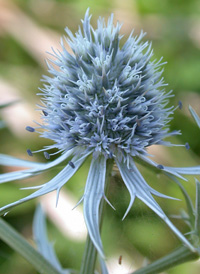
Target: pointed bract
x=54, y=184
x=94, y=192
x=195, y=116
x=34, y=168
x=43, y=245
x=135, y=181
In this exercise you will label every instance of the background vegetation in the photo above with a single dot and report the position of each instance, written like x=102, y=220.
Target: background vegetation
x=29, y=28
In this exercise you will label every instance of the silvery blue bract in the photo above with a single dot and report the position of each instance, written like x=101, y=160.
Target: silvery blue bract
x=41, y=239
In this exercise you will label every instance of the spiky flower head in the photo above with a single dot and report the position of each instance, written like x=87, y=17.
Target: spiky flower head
x=106, y=99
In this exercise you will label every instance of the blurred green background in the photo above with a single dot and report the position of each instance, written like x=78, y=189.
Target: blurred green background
x=30, y=28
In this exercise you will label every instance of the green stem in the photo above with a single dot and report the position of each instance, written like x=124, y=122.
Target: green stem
x=90, y=252
x=89, y=258
x=197, y=212
x=10, y=236
x=177, y=257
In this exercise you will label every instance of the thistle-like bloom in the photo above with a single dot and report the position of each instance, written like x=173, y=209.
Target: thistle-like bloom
x=106, y=100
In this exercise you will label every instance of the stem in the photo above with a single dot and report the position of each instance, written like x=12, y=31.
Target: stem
x=197, y=213
x=179, y=256
x=10, y=236
x=90, y=252
x=89, y=257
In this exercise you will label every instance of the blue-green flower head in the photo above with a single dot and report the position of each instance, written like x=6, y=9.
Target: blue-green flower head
x=105, y=97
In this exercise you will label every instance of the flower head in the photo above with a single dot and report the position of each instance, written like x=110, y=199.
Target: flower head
x=107, y=100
